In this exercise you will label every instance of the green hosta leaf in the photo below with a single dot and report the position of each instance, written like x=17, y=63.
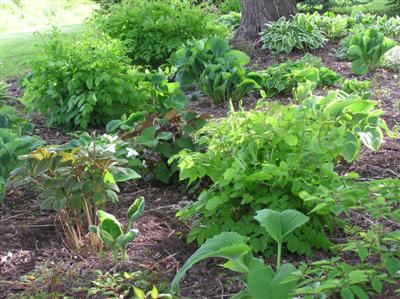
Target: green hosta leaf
x=359, y=67
x=124, y=239
x=346, y=293
x=371, y=137
x=279, y=225
x=111, y=227
x=135, y=210
x=393, y=265
x=377, y=285
x=227, y=245
x=147, y=137
x=126, y=174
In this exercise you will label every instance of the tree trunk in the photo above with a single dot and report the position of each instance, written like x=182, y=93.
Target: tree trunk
x=255, y=13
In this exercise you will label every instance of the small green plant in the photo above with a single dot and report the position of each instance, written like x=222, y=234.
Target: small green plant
x=366, y=50
x=262, y=281
x=3, y=90
x=284, y=35
x=227, y=6
x=231, y=20
x=110, y=230
x=361, y=88
x=77, y=179
x=152, y=30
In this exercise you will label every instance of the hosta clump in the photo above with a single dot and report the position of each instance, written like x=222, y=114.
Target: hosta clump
x=283, y=157
x=15, y=140
x=361, y=88
x=284, y=77
x=156, y=139
x=284, y=35
x=77, y=179
x=110, y=231
x=231, y=20
x=333, y=26
x=153, y=29
x=88, y=82
x=366, y=49
x=218, y=71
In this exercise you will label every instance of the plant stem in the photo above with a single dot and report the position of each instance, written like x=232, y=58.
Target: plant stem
x=278, y=259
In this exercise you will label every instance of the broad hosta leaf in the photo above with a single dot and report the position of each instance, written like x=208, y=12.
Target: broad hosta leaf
x=227, y=245
x=135, y=210
x=371, y=137
x=125, y=239
x=279, y=225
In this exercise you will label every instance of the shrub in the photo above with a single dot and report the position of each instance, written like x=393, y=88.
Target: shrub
x=366, y=49
x=300, y=32
x=88, y=82
x=227, y=6
x=77, y=179
x=280, y=158
x=153, y=29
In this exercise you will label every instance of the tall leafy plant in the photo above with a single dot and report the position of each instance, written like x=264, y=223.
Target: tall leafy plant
x=270, y=159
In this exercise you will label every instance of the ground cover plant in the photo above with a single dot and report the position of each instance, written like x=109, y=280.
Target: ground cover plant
x=283, y=165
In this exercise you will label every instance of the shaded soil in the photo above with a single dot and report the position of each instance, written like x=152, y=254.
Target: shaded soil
x=31, y=237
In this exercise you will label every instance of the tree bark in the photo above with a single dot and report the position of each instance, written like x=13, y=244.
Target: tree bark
x=256, y=13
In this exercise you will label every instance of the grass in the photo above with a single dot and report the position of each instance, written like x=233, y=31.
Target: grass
x=30, y=15
x=20, y=22
x=18, y=49
x=374, y=7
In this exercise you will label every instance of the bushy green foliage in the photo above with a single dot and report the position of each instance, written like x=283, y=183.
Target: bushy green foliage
x=156, y=139
x=216, y=69
x=395, y=4
x=3, y=90
x=110, y=231
x=366, y=49
x=153, y=29
x=300, y=32
x=283, y=157
x=286, y=76
x=15, y=140
x=360, y=88
x=333, y=26
x=86, y=82
x=76, y=179
x=231, y=20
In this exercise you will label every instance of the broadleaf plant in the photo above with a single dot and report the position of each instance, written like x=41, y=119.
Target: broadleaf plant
x=110, y=231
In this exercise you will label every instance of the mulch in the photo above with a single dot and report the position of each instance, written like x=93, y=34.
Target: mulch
x=31, y=237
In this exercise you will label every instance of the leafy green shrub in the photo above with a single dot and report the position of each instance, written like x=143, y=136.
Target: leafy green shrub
x=157, y=139
x=153, y=29
x=110, y=230
x=287, y=76
x=360, y=88
x=366, y=50
x=300, y=32
x=88, y=82
x=14, y=142
x=77, y=179
x=262, y=281
x=3, y=90
x=280, y=158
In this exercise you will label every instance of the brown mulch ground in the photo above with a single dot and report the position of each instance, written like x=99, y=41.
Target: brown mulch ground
x=31, y=237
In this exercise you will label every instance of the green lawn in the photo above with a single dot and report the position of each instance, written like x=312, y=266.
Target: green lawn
x=18, y=49
x=374, y=7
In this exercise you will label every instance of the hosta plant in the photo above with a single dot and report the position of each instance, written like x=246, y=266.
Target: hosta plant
x=270, y=159
x=261, y=280
x=190, y=61
x=111, y=232
x=284, y=35
x=76, y=179
x=226, y=81
x=366, y=49
x=3, y=90
x=361, y=88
